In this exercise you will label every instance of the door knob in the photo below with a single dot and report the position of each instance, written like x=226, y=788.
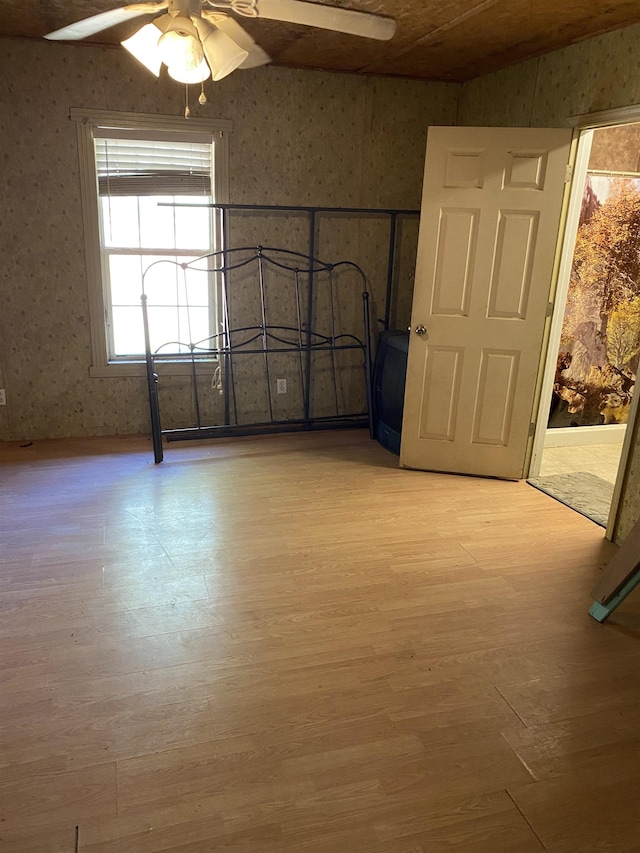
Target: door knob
x=420, y=330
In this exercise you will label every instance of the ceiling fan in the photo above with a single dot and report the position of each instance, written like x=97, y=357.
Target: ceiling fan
x=197, y=39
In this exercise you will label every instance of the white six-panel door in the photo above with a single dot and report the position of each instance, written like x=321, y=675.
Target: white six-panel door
x=489, y=223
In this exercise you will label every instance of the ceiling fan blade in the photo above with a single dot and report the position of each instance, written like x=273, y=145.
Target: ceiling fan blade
x=97, y=23
x=327, y=18
x=257, y=56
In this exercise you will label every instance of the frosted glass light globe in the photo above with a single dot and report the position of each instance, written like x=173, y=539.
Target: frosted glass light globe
x=191, y=75
x=179, y=48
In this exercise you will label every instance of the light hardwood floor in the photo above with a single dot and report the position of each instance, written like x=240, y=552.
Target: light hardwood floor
x=284, y=644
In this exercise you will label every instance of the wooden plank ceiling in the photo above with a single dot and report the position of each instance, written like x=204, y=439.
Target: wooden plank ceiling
x=451, y=40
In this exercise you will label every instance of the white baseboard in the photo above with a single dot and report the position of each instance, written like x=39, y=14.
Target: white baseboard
x=597, y=434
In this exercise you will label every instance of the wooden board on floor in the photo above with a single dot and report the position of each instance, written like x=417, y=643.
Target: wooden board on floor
x=625, y=563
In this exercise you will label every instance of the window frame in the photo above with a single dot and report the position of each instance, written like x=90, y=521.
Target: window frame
x=86, y=121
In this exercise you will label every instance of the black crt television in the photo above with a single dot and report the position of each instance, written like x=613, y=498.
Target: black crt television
x=389, y=375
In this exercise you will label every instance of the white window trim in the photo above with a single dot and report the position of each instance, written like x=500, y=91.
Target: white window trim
x=85, y=121
x=629, y=114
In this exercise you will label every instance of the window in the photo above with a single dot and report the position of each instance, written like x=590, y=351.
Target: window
x=147, y=185
x=140, y=184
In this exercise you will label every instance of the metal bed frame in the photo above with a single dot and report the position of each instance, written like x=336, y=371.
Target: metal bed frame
x=314, y=214
x=264, y=339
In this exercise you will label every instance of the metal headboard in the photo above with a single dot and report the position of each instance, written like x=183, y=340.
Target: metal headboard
x=264, y=339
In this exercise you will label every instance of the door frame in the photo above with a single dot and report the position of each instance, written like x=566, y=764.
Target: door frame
x=583, y=125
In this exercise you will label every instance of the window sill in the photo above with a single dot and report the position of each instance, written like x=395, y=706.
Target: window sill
x=138, y=369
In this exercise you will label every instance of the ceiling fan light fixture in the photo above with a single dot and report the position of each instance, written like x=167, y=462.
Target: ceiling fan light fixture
x=222, y=53
x=143, y=45
x=179, y=46
x=200, y=38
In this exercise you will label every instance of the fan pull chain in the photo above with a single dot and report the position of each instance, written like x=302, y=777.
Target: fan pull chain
x=202, y=98
x=187, y=111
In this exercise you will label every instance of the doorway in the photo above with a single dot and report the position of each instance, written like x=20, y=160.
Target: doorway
x=593, y=357
x=487, y=257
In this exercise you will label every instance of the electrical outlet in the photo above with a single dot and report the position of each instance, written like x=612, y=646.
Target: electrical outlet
x=3, y=397
x=281, y=386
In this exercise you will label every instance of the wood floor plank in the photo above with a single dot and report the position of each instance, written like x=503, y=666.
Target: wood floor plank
x=58, y=798
x=30, y=840
x=156, y=830
x=88, y=735
x=43, y=623
x=287, y=644
x=563, y=697
x=576, y=821
x=479, y=824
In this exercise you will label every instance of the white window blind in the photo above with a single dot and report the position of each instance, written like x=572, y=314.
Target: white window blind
x=168, y=164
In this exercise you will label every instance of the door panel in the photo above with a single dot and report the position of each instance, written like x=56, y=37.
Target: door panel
x=496, y=394
x=513, y=263
x=455, y=260
x=488, y=231
x=443, y=372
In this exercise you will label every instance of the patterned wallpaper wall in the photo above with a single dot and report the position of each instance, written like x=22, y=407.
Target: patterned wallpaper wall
x=300, y=137
x=594, y=75
x=501, y=99
x=598, y=74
